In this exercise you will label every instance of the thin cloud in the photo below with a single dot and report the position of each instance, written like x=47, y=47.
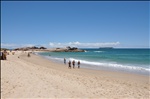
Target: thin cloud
x=12, y=46
x=62, y=45
x=84, y=45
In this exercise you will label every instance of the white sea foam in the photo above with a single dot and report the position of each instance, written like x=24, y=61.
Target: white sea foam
x=54, y=58
x=36, y=53
x=99, y=51
x=112, y=65
x=108, y=65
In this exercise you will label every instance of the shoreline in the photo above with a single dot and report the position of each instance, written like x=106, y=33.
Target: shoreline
x=130, y=70
x=85, y=69
x=35, y=77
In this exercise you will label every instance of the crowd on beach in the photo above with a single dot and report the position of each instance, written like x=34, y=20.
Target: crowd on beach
x=73, y=63
x=4, y=54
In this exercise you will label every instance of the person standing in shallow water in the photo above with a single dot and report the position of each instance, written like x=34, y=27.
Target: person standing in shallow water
x=64, y=60
x=73, y=63
x=69, y=63
x=78, y=64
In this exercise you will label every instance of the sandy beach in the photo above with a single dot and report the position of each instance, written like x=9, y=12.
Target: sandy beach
x=36, y=77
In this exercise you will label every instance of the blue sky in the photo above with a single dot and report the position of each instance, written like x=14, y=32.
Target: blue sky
x=80, y=24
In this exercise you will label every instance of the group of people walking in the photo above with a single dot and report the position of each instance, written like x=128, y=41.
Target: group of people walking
x=73, y=63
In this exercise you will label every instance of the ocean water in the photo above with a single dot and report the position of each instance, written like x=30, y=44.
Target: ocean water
x=126, y=60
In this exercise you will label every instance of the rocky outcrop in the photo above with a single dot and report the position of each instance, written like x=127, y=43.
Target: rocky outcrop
x=67, y=49
x=30, y=48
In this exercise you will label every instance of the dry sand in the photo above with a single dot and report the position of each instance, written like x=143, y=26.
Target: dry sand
x=36, y=77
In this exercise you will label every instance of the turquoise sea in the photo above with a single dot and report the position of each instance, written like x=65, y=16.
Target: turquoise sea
x=127, y=60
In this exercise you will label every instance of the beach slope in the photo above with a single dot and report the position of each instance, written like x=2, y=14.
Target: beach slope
x=36, y=77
